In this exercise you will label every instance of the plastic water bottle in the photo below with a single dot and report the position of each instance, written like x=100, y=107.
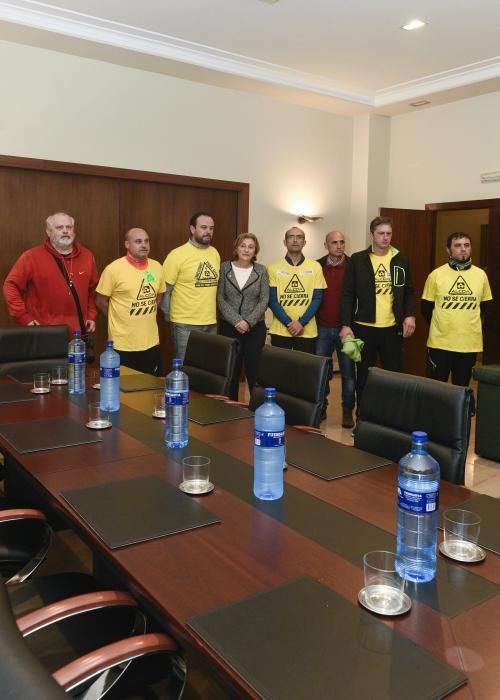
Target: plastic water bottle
x=76, y=364
x=418, y=505
x=176, y=406
x=269, y=448
x=109, y=363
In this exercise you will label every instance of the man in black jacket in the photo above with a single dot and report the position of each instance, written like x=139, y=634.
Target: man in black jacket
x=378, y=302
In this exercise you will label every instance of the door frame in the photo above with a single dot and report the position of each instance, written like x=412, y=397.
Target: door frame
x=491, y=330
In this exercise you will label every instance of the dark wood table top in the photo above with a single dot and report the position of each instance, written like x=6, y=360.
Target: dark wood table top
x=251, y=550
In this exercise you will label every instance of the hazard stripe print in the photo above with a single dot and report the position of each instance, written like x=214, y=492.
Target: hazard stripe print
x=143, y=311
x=459, y=305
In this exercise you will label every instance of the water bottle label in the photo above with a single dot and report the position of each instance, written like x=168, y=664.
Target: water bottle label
x=414, y=502
x=265, y=438
x=110, y=372
x=76, y=358
x=176, y=398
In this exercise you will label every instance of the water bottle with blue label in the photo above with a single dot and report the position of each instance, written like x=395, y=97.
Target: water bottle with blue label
x=76, y=364
x=418, y=506
x=176, y=406
x=109, y=363
x=269, y=448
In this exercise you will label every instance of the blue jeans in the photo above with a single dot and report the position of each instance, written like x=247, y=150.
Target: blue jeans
x=328, y=340
x=180, y=335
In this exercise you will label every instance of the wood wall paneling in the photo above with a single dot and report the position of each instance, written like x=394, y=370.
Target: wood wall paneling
x=106, y=202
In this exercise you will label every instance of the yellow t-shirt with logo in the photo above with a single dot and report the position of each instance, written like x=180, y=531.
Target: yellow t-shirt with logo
x=295, y=285
x=194, y=274
x=384, y=297
x=456, y=318
x=132, y=303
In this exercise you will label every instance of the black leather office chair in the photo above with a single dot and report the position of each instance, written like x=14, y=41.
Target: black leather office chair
x=114, y=667
x=25, y=537
x=395, y=404
x=300, y=380
x=209, y=362
x=28, y=349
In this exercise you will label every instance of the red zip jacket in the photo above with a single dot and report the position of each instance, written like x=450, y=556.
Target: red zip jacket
x=35, y=289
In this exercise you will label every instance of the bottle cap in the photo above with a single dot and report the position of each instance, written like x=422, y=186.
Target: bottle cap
x=177, y=362
x=77, y=334
x=270, y=392
x=109, y=343
x=419, y=436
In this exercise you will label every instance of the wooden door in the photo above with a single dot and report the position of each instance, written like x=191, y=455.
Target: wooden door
x=412, y=235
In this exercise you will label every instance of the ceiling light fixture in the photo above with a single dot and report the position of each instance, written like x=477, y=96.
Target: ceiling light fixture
x=413, y=24
x=420, y=103
x=303, y=219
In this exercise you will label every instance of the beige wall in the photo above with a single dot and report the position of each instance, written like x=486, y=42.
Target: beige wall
x=67, y=108
x=437, y=154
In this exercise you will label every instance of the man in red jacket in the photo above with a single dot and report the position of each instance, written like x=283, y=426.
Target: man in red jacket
x=37, y=288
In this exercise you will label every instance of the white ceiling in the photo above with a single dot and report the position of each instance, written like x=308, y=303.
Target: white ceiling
x=334, y=54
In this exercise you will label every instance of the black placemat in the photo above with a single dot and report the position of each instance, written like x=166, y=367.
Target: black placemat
x=489, y=510
x=207, y=411
x=13, y=393
x=329, y=459
x=47, y=434
x=303, y=640
x=136, y=510
x=141, y=382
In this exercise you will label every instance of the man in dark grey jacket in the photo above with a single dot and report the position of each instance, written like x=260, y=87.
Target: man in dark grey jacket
x=378, y=302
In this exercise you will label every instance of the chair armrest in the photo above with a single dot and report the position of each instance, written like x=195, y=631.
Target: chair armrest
x=62, y=609
x=309, y=429
x=94, y=663
x=21, y=513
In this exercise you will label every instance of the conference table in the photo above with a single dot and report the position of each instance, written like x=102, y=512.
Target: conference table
x=220, y=589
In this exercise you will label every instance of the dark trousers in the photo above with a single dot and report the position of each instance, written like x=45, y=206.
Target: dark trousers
x=249, y=350
x=294, y=343
x=383, y=343
x=442, y=363
x=147, y=361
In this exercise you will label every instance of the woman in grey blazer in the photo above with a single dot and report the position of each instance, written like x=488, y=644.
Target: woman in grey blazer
x=242, y=299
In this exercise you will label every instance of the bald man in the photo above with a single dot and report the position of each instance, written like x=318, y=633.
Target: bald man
x=334, y=265
x=128, y=295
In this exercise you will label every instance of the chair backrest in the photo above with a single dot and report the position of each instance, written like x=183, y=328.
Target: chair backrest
x=209, y=362
x=300, y=380
x=395, y=404
x=27, y=349
x=21, y=674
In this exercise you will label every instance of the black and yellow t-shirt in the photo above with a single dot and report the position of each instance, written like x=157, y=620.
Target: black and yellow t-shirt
x=194, y=274
x=295, y=285
x=456, y=318
x=132, y=303
x=384, y=314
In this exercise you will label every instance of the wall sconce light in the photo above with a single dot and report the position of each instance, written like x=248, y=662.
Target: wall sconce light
x=303, y=219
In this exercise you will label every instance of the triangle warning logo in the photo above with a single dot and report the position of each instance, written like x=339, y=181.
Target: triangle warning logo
x=460, y=287
x=295, y=285
x=381, y=273
x=146, y=291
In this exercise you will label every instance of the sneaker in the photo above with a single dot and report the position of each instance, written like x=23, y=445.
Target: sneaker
x=347, y=421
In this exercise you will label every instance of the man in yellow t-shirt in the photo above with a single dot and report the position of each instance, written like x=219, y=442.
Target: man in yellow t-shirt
x=452, y=302
x=191, y=273
x=378, y=302
x=296, y=286
x=128, y=294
